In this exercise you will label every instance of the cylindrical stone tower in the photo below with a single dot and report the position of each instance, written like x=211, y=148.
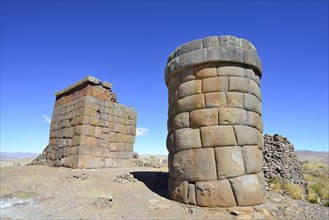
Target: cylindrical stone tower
x=214, y=123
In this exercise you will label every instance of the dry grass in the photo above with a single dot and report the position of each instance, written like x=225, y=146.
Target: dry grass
x=295, y=190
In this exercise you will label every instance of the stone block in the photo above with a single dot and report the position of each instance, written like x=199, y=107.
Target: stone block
x=109, y=163
x=216, y=136
x=190, y=103
x=254, y=120
x=178, y=190
x=249, y=74
x=181, y=121
x=170, y=143
x=232, y=116
x=97, y=151
x=215, y=99
x=254, y=89
x=173, y=96
x=187, y=138
x=247, y=190
x=215, y=194
x=211, y=41
x=85, y=150
x=89, y=162
x=174, y=82
x=187, y=75
x=124, y=162
x=246, y=135
x=253, y=158
x=189, y=88
x=206, y=72
x=214, y=84
x=92, y=141
x=195, y=165
x=238, y=84
x=191, y=199
x=203, y=117
x=229, y=161
x=76, y=140
x=235, y=99
x=252, y=103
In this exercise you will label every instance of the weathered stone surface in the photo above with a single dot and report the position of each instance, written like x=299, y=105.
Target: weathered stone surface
x=187, y=138
x=187, y=75
x=252, y=103
x=181, y=120
x=215, y=99
x=255, y=120
x=246, y=135
x=190, y=103
x=229, y=161
x=206, y=72
x=253, y=158
x=254, y=89
x=212, y=41
x=170, y=142
x=230, y=71
x=215, y=193
x=216, y=136
x=195, y=165
x=247, y=190
x=238, y=84
x=189, y=88
x=191, y=198
x=234, y=99
x=203, y=117
x=178, y=190
x=214, y=84
x=232, y=116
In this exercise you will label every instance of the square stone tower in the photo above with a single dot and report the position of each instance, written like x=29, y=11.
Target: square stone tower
x=89, y=129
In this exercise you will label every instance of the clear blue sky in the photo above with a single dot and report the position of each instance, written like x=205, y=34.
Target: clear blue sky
x=48, y=45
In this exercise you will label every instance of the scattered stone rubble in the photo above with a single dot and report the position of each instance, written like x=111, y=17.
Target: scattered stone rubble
x=124, y=178
x=280, y=160
x=41, y=160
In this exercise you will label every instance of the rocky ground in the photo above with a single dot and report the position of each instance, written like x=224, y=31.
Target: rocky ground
x=42, y=192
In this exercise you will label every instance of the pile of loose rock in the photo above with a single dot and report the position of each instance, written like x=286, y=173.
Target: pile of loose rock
x=280, y=160
x=124, y=178
x=113, y=96
x=41, y=160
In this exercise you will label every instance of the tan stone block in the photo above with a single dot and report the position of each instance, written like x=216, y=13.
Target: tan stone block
x=89, y=162
x=74, y=150
x=97, y=152
x=181, y=121
x=254, y=89
x=247, y=190
x=255, y=120
x=235, y=99
x=113, y=137
x=206, y=72
x=109, y=163
x=216, y=136
x=215, y=99
x=76, y=140
x=189, y=88
x=191, y=198
x=249, y=74
x=119, y=137
x=178, y=190
x=172, y=96
x=252, y=103
x=106, y=130
x=238, y=84
x=190, y=103
x=230, y=71
x=89, y=112
x=94, y=121
x=72, y=161
x=187, y=75
x=85, y=150
x=215, y=194
x=195, y=165
x=203, y=117
x=124, y=162
x=187, y=138
x=91, y=141
x=214, y=84
x=229, y=162
x=253, y=158
x=113, y=146
x=174, y=82
x=246, y=135
x=232, y=116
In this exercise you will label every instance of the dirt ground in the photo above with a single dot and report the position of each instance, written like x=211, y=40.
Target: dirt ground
x=41, y=192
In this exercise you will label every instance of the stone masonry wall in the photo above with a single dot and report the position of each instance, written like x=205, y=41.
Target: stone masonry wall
x=89, y=129
x=214, y=123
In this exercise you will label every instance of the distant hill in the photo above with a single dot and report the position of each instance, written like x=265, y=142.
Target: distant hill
x=16, y=155
x=313, y=156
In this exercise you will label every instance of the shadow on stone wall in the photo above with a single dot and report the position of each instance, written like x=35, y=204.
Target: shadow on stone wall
x=155, y=181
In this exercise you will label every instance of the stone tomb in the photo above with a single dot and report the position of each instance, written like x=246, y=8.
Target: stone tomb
x=89, y=129
x=214, y=123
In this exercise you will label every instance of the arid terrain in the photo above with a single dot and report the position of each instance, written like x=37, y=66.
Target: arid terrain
x=41, y=192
